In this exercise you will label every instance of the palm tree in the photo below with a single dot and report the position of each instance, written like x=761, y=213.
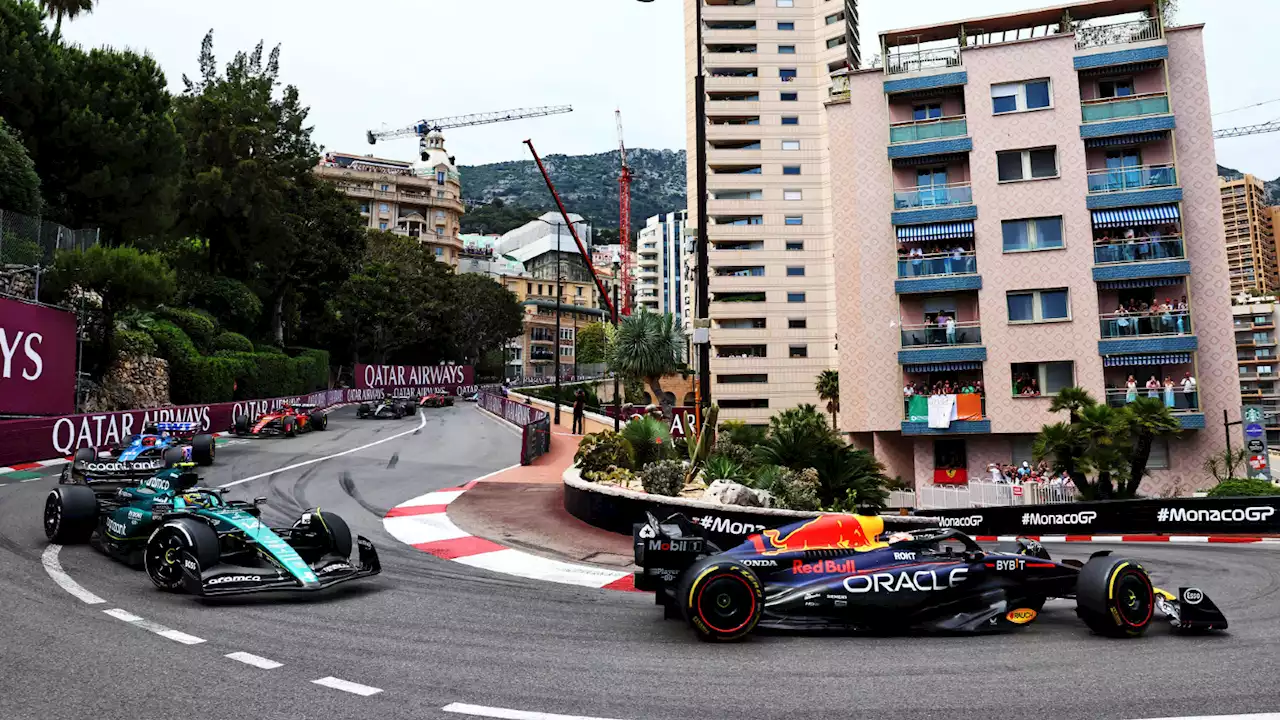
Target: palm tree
x=647, y=346
x=1061, y=442
x=1072, y=399
x=828, y=387
x=1102, y=432
x=69, y=9
x=1147, y=419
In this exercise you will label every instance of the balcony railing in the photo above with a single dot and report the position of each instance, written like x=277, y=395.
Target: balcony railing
x=1137, y=177
x=933, y=196
x=1139, y=250
x=919, y=416
x=934, y=129
x=1127, y=326
x=938, y=264
x=1174, y=398
x=934, y=335
x=1118, y=33
x=1118, y=108
x=922, y=60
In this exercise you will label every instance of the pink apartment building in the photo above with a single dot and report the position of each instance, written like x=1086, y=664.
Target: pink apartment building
x=1002, y=188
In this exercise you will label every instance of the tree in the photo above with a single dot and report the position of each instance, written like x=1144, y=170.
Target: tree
x=1146, y=420
x=124, y=278
x=69, y=9
x=1072, y=399
x=1224, y=464
x=486, y=315
x=591, y=344
x=796, y=437
x=19, y=184
x=647, y=346
x=828, y=387
x=1168, y=11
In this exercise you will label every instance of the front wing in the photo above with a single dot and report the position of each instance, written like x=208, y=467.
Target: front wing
x=237, y=580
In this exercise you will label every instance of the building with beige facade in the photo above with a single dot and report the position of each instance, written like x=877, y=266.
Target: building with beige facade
x=658, y=265
x=1254, y=319
x=1023, y=203
x=421, y=200
x=1251, y=242
x=769, y=66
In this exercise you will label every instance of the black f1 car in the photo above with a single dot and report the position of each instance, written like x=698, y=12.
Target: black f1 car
x=835, y=572
x=392, y=407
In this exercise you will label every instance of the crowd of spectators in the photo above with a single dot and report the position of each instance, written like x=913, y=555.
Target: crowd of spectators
x=1040, y=473
x=943, y=387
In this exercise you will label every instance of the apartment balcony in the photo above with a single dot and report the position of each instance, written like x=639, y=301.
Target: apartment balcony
x=1185, y=407
x=1169, y=332
x=925, y=138
x=928, y=343
x=916, y=61
x=1128, y=115
x=1144, y=257
x=1143, y=177
x=1120, y=33
x=934, y=203
x=939, y=272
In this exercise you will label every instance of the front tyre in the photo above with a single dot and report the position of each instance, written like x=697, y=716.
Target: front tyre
x=722, y=599
x=333, y=536
x=70, y=514
x=175, y=543
x=1114, y=597
x=289, y=426
x=319, y=421
x=202, y=450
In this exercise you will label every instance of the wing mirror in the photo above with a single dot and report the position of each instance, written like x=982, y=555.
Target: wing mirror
x=260, y=501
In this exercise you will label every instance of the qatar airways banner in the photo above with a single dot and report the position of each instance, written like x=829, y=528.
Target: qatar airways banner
x=47, y=438
x=418, y=379
x=37, y=359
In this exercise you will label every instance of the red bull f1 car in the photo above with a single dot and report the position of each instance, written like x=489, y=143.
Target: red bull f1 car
x=160, y=445
x=288, y=421
x=841, y=572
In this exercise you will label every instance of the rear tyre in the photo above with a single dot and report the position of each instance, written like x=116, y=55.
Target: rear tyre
x=410, y=409
x=333, y=533
x=70, y=514
x=86, y=455
x=319, y=421
x=397, y=412
x=202, y=449
x=242, y=425
x=363, y=411
x=722, y=599
x=1114, y=597
x=172, y=456
x=288, y=426
x=176, y=542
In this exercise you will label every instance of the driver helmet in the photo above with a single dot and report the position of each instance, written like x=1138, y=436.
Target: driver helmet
x=898, y=537
x=149, y=440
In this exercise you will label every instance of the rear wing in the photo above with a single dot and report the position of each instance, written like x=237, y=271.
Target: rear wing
x=178, y=428
x=305, y=406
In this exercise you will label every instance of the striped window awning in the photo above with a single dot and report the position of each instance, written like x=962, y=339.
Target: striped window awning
x=1139, y=283
x=1135, y=217
x=1121, y=69
x=1131, y=139
x=1132, y=360
x=935, y=231
x=942, y=367
x=930, y=159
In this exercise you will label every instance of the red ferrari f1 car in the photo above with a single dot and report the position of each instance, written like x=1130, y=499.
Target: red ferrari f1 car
x=288, y=421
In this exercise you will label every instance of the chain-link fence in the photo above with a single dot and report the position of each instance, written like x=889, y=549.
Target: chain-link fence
x=28, y=245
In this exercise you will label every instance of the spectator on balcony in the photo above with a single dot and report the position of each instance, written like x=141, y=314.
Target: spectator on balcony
x=1031, y=389
x=1153, y=387
x=950, y=326
x=908, y=390
x=1189, y=390
x=1168, y=392
x=977, y=387
x=1182, y=316
x=917, y=260
x=1131, y=390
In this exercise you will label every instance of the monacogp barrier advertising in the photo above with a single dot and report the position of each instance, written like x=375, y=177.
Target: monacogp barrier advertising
x=535, y=424
x=418, y=379
x=51, y=437
x=37, y=359
x=1215, y=516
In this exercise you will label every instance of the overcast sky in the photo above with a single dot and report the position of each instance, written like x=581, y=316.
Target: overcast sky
x=389, y=63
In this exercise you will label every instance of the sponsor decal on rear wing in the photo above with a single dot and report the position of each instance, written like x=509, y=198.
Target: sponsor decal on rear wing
x=93, y=468
x=178, y=428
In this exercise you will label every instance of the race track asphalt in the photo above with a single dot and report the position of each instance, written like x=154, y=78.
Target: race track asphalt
x=429, y=632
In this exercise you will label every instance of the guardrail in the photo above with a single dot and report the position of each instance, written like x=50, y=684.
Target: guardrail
x=534, y=424
x=987, y=494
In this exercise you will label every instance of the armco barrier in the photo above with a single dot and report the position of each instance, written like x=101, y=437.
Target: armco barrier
x=51, y=437
x=534, y=424
x=616, y=509
x=1174, y=516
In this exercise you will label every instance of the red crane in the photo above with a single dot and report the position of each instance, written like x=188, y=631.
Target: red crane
x=624, y=219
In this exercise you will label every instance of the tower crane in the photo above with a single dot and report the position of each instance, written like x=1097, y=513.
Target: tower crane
x=1266, y=127
x=423, y=128
x=624, y=218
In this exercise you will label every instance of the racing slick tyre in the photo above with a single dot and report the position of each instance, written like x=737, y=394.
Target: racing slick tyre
x=70, y=514
x=410, y=409
x=82, y=455
x=1114, y=597
x=288, y=426
x=202, y=449
x=363, y=411
x=242, y=425
x=722, y=599
x=334, y=535
x=172, y=456
x=163, y=555
x=397, y=412
x=319, y=421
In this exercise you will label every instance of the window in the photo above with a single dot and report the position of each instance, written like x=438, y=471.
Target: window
x=786, y=49
x=926, y=112
x=786, y=3
x=795, y=245
x=797, y=323
x=786, y=26
x=529, y=289
x=439, y=232
x=1016, y=165
x=1039, y=306
x=795, y=271
x=439, y=252
x=789, y=97
x=795, y=297
x=793, y=220
x=1121, y=87
x=566, y=351
x=1032, y=234
x=567, y=333
x=787, y=74
x=364, y=207
x=790, y=144
x=792, y=195
x=835, y=42
x=579, y=289
x=385, y=188
x=837, y=17
x=1049, y=377
x=799, y=351
x=790, y=120
x=383, y=207
x=1012, y=97
x=539, y=288
x=439, y=177
x=790, y=169
x=760, y=404
x=382, y=226
x=742, y=379
x=737, y=194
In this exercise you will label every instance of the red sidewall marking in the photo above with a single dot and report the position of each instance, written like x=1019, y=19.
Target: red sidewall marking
x=415, y=510
x=750, y=593
x=459, y=547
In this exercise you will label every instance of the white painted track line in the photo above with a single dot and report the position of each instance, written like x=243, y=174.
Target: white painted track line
x=522, y=564
x=347, y=686
x=416, y=529
x=254, y=660
x=154, y=627
x=509, y=714
x=181, y=637
x=421, y=424
x=1255, y=716
x=49, y=558
x=124, y=615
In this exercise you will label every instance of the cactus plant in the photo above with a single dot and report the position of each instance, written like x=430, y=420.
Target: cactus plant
x=700, y=450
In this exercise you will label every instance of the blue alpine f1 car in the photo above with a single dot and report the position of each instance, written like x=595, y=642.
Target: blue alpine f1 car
x=842, y=572
x=191, y=538
x=160, y=445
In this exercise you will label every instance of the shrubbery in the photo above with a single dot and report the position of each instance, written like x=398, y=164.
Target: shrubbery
x=597, y=452
x=196, y=324
x=649, y=438
x=798, y=490
x=312, y=367
x=133, y=343
x=665, y=477
x=232, y=342
x=1244, y=487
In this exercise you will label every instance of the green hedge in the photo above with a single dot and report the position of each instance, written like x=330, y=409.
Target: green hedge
x=198, y=326
x=133, y=343
x=235, y=342
x=313, y=369
x=1244, y=487
x=234, y=375
x=266, y=347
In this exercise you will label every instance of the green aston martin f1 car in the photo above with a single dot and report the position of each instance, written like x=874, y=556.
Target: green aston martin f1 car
x=191, y=538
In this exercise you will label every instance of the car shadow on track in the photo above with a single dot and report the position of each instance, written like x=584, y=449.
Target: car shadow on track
x=290, y=597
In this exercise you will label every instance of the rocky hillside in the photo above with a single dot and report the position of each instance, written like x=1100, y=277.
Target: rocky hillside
x=588, y=184
x=1272, y=186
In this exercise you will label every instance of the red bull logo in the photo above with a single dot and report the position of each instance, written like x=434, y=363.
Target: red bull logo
x=827, y=532
x=799, y=567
